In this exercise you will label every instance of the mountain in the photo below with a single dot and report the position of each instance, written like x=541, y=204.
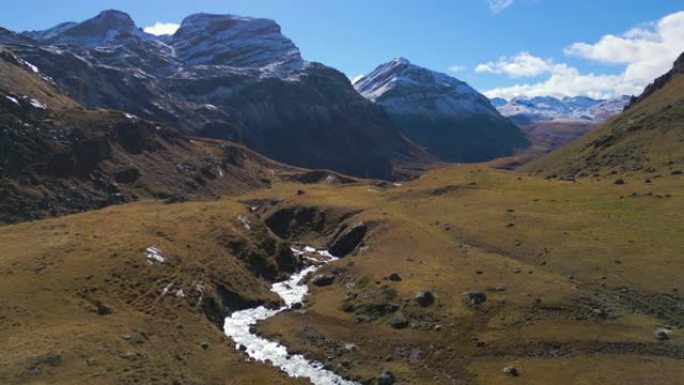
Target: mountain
x=641, y=144
x=226, y=77
x=441, y=113
x=107, y=27
x=524, y=110
x=235, y=41
x=57, y=157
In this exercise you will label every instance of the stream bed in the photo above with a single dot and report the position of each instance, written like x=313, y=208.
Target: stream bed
x=239, y=326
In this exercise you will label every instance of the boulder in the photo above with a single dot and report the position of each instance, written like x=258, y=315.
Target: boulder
x=324, y=279
x=348, y=240
x=662, y=334
x=511, y=371
x=102, y=309
x=425, y=298
x=386, y=378
x=394, y=277
x=475, y=298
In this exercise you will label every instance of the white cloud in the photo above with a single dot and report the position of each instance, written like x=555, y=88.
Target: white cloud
x=646, y=52
x=457, y=68
x=522, y=65
x=496, y=6
x=162, y=28
x=571, y=83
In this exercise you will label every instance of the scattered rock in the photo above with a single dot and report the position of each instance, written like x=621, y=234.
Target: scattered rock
x=324, y=279
x=36, y=364
x=386, y=378
x=511, y=371
x=394, y=277
x=425, y=298
x=475, y=298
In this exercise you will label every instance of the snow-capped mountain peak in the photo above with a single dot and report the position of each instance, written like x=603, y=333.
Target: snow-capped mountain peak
x=524, y=110
x=440, y=112
x=233, y=40
x=105, y=28
x=400, y=85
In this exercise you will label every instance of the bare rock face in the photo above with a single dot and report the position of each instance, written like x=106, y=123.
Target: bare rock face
x=225, y=77
x=677, y=70
x=348, y=240
x=233, y=40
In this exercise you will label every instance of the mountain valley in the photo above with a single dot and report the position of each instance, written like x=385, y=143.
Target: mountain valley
x=159, y=192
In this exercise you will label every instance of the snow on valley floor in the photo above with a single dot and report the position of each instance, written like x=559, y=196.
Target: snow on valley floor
x=239, y=327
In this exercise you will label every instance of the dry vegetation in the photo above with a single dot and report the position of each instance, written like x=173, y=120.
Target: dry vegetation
x=576, y=285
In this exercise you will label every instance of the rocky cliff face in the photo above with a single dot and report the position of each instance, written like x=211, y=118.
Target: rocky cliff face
x=57, y=157
x=225, y=77
x=440, y=112
x=233, y=40
x=660, y=82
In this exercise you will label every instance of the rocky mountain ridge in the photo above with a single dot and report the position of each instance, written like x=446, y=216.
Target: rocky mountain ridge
x=225, y=77
x=440, y=112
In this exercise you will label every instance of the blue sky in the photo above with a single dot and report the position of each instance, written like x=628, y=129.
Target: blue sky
x=488, y=42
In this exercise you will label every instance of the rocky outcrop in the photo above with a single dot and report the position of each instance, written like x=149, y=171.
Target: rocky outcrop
x=662, y=81
x=347, y=240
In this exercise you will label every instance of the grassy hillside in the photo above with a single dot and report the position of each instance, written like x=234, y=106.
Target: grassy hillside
x=576, y=284
x=577, y=276
x=644, y=142
x=58, y=157
x=81, y=302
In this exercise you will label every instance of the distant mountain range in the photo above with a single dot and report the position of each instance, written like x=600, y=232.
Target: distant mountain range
x=643, y=143
x=443, y=114
x=578, y=109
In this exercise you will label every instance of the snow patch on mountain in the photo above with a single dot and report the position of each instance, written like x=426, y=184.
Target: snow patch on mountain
x=403, y=87
x=524, y=110
x=105, y=28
